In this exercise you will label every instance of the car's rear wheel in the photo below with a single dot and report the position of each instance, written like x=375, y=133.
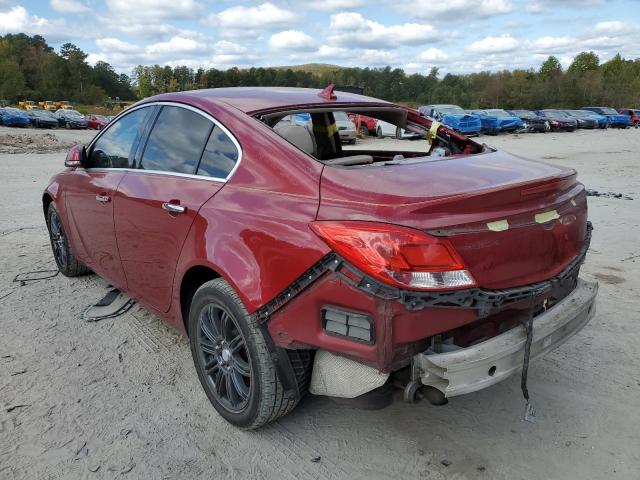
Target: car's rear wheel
x=232, y=359
x=68, y=265
x=364, y=131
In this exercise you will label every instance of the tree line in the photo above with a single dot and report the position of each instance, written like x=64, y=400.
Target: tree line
x=29, y=68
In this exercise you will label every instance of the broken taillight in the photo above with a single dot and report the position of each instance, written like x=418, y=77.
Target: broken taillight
x=400, y=256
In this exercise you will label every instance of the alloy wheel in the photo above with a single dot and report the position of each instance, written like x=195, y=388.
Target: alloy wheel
x=224, y=357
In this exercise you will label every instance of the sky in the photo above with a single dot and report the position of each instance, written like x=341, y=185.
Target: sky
x=457, y=36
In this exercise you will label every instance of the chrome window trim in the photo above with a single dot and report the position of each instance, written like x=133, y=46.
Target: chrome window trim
x=162, y=172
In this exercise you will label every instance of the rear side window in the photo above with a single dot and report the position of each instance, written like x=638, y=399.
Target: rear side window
x=176, y=141
x=220, y=155
x=113, y=148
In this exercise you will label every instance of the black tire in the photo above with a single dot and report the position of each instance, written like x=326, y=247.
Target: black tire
x=398, y=133
x=364, y=131
x=68, y=265
x=232, y=359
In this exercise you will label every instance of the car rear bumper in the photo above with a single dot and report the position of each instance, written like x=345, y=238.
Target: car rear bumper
x=479, y=366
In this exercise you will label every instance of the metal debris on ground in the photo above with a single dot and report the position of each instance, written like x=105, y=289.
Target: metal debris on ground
x=113, y=304
x=596, y=193
x=35, y=276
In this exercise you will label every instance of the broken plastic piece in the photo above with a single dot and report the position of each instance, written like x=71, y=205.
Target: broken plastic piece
x=327, y=93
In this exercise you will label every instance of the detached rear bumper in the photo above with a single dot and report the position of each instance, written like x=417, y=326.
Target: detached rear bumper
x=479, y=366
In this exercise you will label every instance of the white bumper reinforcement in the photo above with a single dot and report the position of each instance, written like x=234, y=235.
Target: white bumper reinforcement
x=473, y=368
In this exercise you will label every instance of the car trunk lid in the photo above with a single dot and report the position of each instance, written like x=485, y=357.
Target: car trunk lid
x=514, y=221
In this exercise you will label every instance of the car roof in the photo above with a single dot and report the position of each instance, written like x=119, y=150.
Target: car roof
x=258, y=99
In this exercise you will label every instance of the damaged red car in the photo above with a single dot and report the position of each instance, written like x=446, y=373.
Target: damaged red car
x=295, y=265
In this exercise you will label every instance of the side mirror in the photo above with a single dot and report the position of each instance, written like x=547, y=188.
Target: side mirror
x=77, y=157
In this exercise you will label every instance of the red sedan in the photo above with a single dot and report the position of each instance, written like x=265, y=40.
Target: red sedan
x=634, y=115
x=294, y=265
x=364, y=125
x=97, y=122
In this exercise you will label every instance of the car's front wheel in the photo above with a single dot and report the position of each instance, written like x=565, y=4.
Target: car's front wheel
x=68, y=265
x=232, y=359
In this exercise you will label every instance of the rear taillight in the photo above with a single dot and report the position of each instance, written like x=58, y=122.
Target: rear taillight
x=400, y=256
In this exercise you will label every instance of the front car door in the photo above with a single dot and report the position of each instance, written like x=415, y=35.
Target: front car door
x=90, y=192
x=185, y=160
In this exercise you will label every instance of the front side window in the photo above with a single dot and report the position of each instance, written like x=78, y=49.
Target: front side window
x=113, y=148
x=176, y=141
x=220, y=155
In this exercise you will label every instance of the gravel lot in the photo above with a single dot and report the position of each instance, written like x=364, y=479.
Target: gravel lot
x=120, y=398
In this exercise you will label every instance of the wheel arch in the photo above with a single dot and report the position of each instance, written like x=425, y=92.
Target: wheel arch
x=193, y=278
x=47, y=199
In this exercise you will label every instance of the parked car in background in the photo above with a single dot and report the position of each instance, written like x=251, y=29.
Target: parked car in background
x=14, y=117
x=97, y=122
x=367, y=124
x=616, y=120
x=454, y=117
x=558, y=120
x=489, y=123
x=346, y=128
x=531, y=121
x=506, y=122
x=583, y=121
x=42, y=118
x=295, y=266
x=602, y=120
x=633, y=114
x=386, y=129
x=71, y=118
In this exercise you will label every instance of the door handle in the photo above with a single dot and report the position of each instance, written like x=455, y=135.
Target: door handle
x=173, y=207
x=103, y=198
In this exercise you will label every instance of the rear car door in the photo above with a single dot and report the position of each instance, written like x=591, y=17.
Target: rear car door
x=90, y=191
x=185, y=160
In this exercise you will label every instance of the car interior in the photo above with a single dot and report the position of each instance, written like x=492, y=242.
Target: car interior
x=319, y=137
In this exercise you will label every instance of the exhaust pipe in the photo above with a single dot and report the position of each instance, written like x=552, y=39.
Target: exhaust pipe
x=414, y=391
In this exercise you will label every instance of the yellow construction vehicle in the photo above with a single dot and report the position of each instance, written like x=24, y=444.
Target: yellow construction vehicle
x=64, y=105
x=48, y=105
x=27, y=104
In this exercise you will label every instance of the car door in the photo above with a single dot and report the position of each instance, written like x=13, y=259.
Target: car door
x=90, y=191
x=184, y=162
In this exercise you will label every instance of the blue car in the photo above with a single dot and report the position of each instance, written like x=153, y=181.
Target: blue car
x=13, y=117
x=615, y=119
x=489, y=123
x=506, y=121
x=453, y=117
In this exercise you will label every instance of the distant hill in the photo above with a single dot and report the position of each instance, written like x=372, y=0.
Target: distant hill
x=314, y=68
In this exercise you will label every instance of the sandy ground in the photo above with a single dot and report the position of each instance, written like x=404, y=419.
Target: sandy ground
x=120, y=398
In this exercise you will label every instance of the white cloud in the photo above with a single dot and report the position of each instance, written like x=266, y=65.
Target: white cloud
x=352, y=29
x=335, y=5
x=376, y=57
x=551, y=44
x=433, y=55
x=456, y=9
x=19, y=20
x=503, y=43
x=116, y=45
x=176, y=45
x=292, y=40
x=69, y=6
x=615, y=28
x=540, y=6
x=149, y=10
x=266, y=15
